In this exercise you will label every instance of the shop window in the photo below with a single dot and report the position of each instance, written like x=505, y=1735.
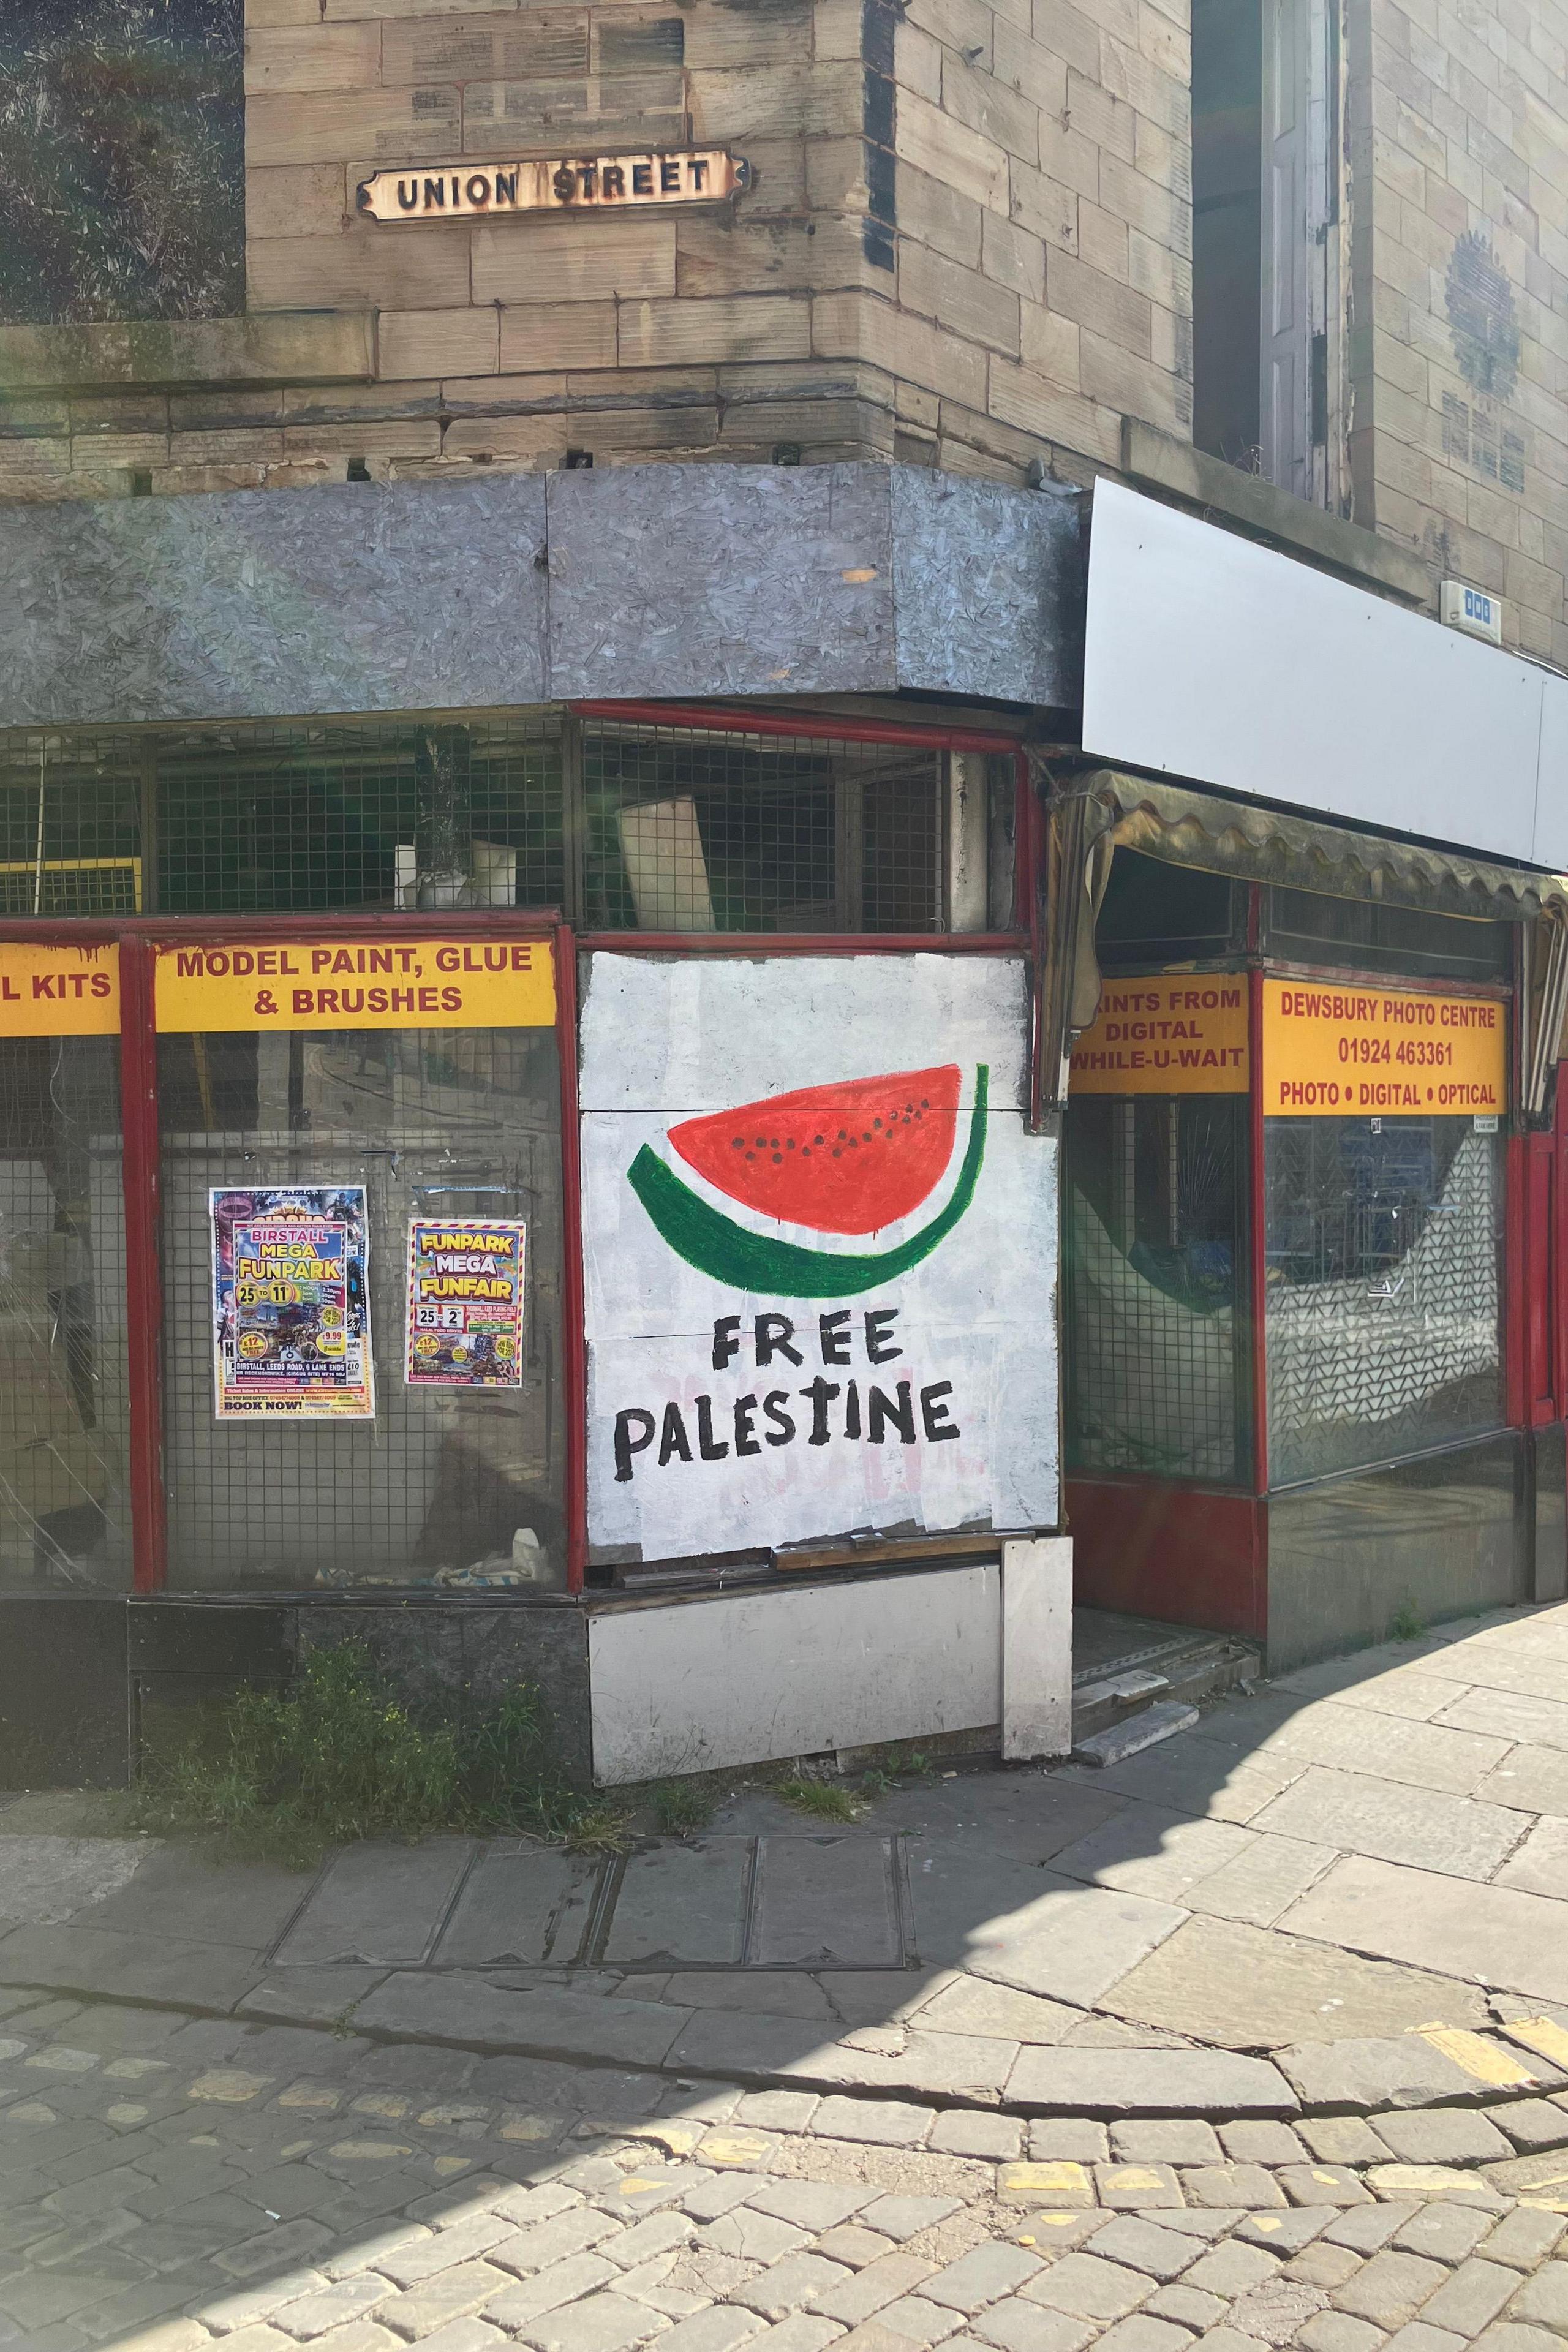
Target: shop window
x=447, y=1486
x=63, y=1390
x=1155, y=1290
x=70, y=825
x=1155, y=912
x=624, y=828
x=1383, y=1289
x=1305, y=927
x=304, y=818
x=689, y=832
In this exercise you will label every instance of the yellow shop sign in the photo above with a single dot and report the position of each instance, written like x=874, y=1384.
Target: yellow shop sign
x=1338, y=1050
x=359, y=985
x=59, y=991
x=1166, y=1035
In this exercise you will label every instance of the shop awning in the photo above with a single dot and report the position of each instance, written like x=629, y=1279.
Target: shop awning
x=1093, y=814
x=1262, y=844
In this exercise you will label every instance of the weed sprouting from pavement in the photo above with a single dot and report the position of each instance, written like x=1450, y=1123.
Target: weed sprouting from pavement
x=1407, y=1625
x=339, y=1755
x=681, y=1807
x=828, y=1802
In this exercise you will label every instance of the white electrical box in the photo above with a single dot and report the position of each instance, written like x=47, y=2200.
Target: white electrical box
x=1474, y=609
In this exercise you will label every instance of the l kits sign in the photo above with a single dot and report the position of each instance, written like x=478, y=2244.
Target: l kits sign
x=819, y=1261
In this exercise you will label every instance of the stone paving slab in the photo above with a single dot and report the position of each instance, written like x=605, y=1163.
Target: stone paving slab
x=521, y=1903
x=1394, y=1821
x=1235, y=1984
x=1510, y=1939
x=377, y=1904
x=827, y=1902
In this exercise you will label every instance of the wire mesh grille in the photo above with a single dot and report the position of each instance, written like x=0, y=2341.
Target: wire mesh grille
x=1155, y=1308
x=309, y=818
x=1383, y=1300
x=694, y=832
x=460, y=1123
x=64, y=1391
x=652, y=828
x=71, y=825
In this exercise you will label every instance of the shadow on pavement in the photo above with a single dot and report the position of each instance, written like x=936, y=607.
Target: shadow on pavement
x=424, y=2033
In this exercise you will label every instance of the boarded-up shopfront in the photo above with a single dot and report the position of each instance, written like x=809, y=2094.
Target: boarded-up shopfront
x=387, y=1253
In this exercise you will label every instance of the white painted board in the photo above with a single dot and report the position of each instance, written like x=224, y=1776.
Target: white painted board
x=1211, y=657
x=747, y=1677
x=973, y=1322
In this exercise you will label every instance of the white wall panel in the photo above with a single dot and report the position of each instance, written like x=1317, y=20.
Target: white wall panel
x=1211, y=657
x=748, y=1677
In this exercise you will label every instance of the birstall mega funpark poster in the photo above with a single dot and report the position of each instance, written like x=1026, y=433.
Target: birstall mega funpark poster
x=819, y=1253
x=291, y=1304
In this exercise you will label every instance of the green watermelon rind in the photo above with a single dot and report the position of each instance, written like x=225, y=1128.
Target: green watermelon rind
x=753, y=1262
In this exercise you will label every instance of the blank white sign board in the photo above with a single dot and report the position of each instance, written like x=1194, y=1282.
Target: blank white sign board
x=1211, y=657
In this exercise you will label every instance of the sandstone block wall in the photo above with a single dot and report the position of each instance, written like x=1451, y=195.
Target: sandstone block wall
x=967, y=240
x=1459, y=176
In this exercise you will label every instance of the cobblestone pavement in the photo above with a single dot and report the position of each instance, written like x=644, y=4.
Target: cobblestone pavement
x=166, y=2181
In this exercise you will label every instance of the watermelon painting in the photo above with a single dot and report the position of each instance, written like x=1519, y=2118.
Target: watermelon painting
x=844, y=1159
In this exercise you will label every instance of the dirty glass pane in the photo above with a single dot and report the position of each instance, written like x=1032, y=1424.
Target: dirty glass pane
x=65, y=1519
x=1383, y=1300
x=70, y=823
x=688, y=832
x=446, y=1487
x=1155, y=1295
x=295, y=817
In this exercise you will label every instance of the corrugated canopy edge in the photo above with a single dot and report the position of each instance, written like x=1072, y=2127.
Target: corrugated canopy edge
x=1253, y=843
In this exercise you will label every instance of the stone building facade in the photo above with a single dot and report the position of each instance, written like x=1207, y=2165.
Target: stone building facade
x=967, y=243
x=680, y=586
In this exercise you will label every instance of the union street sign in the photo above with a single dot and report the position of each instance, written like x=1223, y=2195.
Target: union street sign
x=685, y=175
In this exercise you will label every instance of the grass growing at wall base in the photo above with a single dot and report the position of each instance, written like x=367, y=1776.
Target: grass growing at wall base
x=338, y=1755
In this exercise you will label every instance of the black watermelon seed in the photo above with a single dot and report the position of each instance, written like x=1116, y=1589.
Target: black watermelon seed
x=740, y=1143
x=925, y=1102
x=790, y=1146
x=762, y=1143
x=816, y=1139
x=837, y=1153
x=876, y=1122
x=806, y=1151
x=778, y=1160
x=773, y=1143
x=854, y=1143
x=750, y=1155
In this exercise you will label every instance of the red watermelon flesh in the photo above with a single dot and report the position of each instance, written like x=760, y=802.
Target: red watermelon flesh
x=848, y=1159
